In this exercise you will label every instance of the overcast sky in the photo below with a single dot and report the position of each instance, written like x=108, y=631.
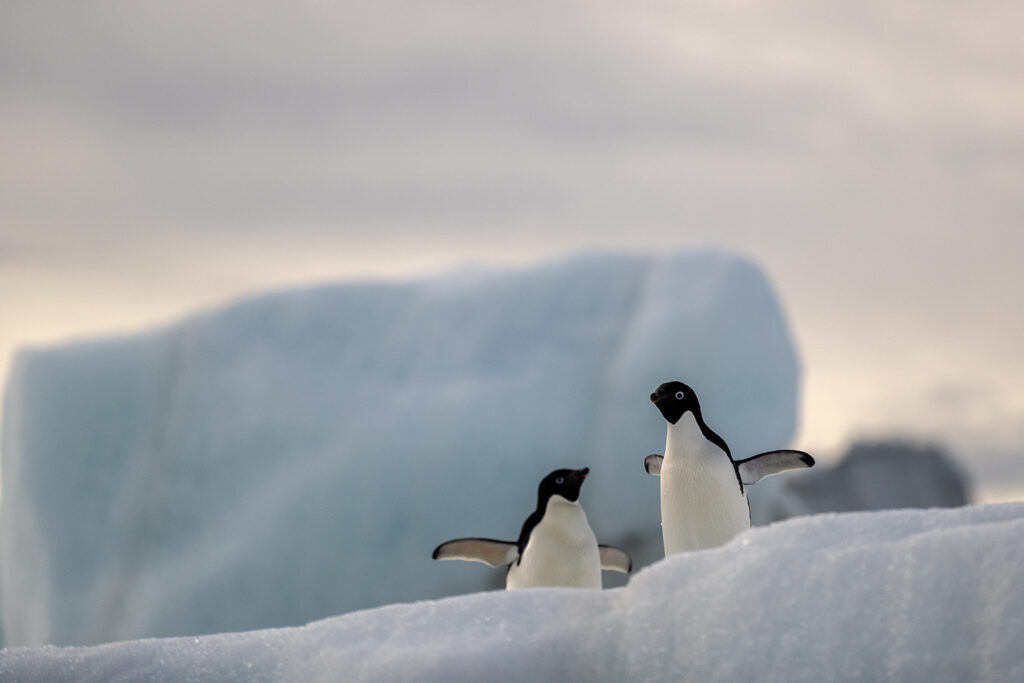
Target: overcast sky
x=869, y=156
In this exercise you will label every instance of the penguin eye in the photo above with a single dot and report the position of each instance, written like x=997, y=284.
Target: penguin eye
x=679, y=395
x=560, y=480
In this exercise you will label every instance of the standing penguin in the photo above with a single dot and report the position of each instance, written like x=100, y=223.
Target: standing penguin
x=556, y=546
x=703, y=500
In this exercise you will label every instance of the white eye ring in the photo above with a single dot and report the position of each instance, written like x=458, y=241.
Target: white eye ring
x=560, y=480
x=679, y=395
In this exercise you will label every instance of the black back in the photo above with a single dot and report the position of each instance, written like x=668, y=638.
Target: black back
x=565, y=483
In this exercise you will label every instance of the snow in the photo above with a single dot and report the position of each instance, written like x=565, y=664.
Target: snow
x=909, y=595
x=298, y=455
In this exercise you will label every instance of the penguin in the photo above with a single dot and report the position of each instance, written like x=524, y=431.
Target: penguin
x=556, y=545
x=703, y=496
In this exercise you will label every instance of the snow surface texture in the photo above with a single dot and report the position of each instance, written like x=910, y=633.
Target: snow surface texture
x=910, y=595
x=299, y=455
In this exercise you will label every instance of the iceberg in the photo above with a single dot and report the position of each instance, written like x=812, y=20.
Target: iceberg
x=299, y=454
x=909, y=595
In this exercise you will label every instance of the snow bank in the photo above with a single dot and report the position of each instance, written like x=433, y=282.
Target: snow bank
x=299, y=455
x=893, y=596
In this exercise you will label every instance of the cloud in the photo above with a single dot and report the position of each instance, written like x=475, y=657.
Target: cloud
x=392, y=116
x=871, y=156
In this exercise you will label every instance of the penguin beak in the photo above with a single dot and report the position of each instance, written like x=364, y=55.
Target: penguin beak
x=584, y=472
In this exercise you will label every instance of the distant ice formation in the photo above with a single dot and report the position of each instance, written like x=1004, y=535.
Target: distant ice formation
x=909, y=595
x=299, y=455
x=871, y=475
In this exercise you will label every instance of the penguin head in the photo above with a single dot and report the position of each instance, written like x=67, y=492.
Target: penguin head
x=564, y=483
x=675, y=399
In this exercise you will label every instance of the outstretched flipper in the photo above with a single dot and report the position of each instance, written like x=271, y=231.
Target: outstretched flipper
x=652, y=463
x=756, y=468
x=486, y=550
x=614, y=559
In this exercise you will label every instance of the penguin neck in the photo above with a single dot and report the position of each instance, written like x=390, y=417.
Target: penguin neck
x=691, y=435
x=566, y=515
x=556, y=504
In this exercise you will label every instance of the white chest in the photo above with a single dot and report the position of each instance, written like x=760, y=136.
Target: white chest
x=702, y=505
x=562, y=551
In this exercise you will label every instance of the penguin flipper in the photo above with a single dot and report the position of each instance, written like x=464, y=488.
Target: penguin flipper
x=486, y=550
x=652, y=463
x=615, y=559
x=756, y=468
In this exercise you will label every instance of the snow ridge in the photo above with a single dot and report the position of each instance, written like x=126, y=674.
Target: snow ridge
x=929, y=595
